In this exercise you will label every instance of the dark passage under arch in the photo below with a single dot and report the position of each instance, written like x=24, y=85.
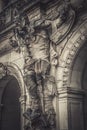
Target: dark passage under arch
x=10, y=106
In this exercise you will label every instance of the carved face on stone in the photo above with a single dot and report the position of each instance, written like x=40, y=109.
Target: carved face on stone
x=2, y=70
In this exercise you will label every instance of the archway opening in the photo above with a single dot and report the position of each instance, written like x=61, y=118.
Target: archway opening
x=78, y=81
x=10, y=105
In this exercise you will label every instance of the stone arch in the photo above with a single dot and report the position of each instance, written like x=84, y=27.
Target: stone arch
x=14, y=70
x=70, y=97
x=75, y=43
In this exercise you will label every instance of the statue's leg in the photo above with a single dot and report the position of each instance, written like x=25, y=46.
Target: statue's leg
x=49, y=108
x=45, y=68
x=32, y=114
x=32, y=89
x=41, y=68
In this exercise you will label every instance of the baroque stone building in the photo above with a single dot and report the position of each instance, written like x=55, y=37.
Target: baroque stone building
x=43, y=65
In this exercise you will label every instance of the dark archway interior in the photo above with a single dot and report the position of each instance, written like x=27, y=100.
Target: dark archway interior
x=10, y=112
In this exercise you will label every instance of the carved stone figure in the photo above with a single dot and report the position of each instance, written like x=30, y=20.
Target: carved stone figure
x=38, y=40
x=61, y=20
x=38, y=44
x=39, y=53
x=37, y=75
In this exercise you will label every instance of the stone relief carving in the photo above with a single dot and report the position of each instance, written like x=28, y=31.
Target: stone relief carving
x=61, y=20
x=64, y=10
x=38, y=43
x=39, y=54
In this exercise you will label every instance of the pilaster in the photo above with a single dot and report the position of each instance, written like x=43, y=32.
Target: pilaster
x=71, y=109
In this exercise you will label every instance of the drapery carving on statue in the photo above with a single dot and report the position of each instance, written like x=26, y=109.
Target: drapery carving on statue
x=3, y=70
x=61, y=20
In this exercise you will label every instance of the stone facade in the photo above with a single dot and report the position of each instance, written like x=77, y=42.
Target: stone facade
x=43, y=45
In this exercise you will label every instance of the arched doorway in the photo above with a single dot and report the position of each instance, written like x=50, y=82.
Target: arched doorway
x=78, y=82
x=10, y=105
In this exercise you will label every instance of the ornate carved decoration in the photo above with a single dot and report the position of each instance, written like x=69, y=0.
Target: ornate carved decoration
x=40, y=84
x=73, y=50
x=64, y=9
x=3, y=70
x=61, y=20
x=69, y=61
x=38, y=43
x=37, y=69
